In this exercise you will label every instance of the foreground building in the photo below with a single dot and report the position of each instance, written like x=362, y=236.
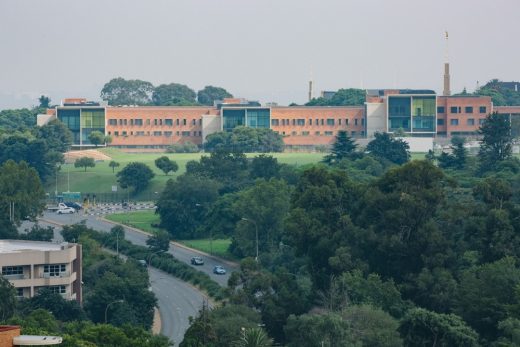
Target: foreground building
x=32, y=265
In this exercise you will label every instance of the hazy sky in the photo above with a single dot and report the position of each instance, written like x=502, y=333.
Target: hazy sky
x=258, y=49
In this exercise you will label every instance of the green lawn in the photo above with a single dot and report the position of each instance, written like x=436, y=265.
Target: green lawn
x=138, y=219
x=100, y=179
x=144, y=219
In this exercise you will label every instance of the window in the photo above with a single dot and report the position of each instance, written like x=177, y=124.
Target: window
x=138, y=122
x=482, y=109
x=112, y=121
x=185, y=133
x=300, y=122
x=317, y=121
x=125, y=121
x=19, y=292
x=353, y=133
x=329, y=133
x=124, y=133
x=120, y=122
x=177, y=121
x=339, y=121
x=305, y=133
x=481, y=121
x=168, y=122
x=157, y=133
x=454, y=122
x=283, y=121
x=116, y=133
x=177, y=133
x=131, y=122
x=57, y=289
x=293, y=133
x=355, y=121
x=147, y=122
x=54, y=270
x=322, y=121
x=194, y=122
x=310, y=121
x=454, y=109
x=468, y=109
x=160, y=121
x=330, y=121
x=275, y=122
x=317, y=133
x=12, y=270
x=139, y=133
x=441, y=109
x=131, y=133
x=200, y=122
x=346, y=121
x=470, y=121
x=440, y=121
x=294, y=122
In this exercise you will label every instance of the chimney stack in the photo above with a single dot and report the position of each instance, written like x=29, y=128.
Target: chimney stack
x=446, y=91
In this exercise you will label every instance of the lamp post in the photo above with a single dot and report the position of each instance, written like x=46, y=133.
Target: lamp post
x=210, y=235
x=106, y=309
x=256, y=233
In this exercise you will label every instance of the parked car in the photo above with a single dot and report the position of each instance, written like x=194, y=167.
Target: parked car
x=66, y=210
x=219, y=270
x=197, y=261
x=142, y=262
x=74, y=205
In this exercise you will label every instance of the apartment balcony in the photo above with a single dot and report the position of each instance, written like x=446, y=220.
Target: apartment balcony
x=55, y=275
x=16, y=277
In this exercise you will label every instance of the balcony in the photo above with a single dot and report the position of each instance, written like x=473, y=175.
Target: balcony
x=16, y=277
x=55, y=275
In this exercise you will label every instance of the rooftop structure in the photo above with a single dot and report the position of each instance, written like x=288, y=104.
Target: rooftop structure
x=10, y=336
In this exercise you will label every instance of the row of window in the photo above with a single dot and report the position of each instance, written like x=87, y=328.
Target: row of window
x=156, y=133
x=310, y=121
x=12, y=270
x=458, y=109
x=469, y=121
x=167, y=122
x=317, y=133
x=54, y=270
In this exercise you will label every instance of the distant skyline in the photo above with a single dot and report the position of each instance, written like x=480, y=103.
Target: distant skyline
x=263, y=50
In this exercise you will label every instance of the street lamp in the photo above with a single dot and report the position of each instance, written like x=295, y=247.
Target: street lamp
x=210, y=234
x=106, y=309
x=256, y=232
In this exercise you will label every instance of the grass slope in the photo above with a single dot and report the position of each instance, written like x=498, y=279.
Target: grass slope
x=100, y=179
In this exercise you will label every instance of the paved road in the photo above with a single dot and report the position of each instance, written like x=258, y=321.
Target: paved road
x=177, y=300
x=138, y=238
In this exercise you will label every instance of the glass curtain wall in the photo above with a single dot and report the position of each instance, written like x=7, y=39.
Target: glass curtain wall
x=233, y=118
x=423, y=113
x=399, y=113
x=71, y=120
x=91, y=120
x=258, y=118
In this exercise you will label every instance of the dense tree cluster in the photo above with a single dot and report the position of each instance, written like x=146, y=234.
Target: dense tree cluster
x=343, y=97
x=120, y=91
x=245, y=139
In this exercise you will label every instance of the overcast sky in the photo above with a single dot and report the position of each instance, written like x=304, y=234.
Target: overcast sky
x=258, y=49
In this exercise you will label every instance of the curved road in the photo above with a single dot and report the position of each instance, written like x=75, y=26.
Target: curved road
x=177, y=300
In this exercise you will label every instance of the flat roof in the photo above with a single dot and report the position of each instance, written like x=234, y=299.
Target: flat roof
x=18, y=246
x=33, y=340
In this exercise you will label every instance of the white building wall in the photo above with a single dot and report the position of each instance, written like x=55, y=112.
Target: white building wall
x=210, y=124
x=375, y=118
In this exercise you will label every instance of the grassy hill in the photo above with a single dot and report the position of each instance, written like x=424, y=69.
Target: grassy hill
x=100, y=179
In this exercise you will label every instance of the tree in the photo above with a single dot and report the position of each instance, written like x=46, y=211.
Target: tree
x=63, y=310
x=421, y=327
x=108, y=139
x=458, y=158
x=173, y=94
x=18, y=119
x=159, y=241
x=343, y=97
x=166, y=165
x=38, y=233
x=184, y=203
x=310, y=330
x=265, y=166
x=45, y=101
x=344, y=147
x=253, y=337
x=57, y=136
x=136, y=175
x=8, y=302
x=496, y=144
x=210, y=94
x=21, y=188
x=245, y=139
x=393, y=150
x=119, y=91
x=96, y=137
x=113, y=164
x=84, y=162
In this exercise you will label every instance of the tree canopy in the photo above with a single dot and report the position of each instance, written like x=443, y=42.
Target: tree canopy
x=173, y=94
x=119, y=91
x=136, y=175
x=209, y=94
x=343, y=97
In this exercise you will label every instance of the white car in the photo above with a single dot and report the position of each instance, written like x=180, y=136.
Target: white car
x=66, y=210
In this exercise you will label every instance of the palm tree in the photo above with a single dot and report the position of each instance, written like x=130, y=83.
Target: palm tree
x=253, y=337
